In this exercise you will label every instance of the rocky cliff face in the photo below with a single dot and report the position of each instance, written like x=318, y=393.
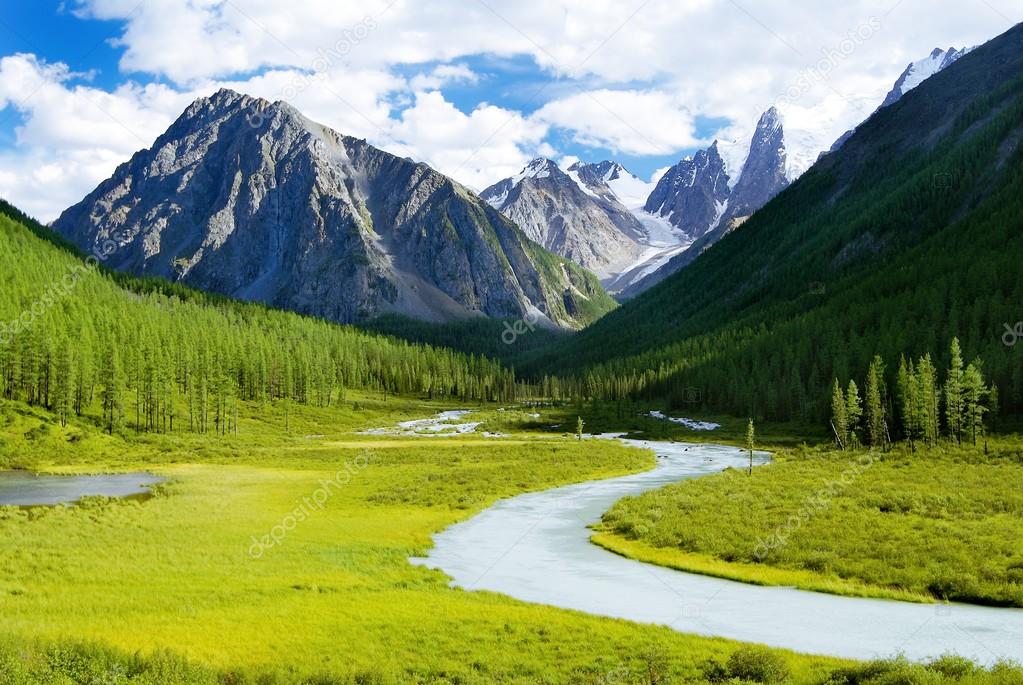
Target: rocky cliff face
x=250, y=199
x=589, y=227
x=692, y=195
x=764, y=172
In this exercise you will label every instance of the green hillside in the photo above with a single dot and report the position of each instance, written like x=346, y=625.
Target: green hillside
x=906, y=237
x=160, y=357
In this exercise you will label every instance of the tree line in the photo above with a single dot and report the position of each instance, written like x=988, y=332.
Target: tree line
x=154, y=357
x=921, y=410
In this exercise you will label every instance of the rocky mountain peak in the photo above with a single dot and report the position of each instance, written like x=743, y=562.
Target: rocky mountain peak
x=252, y=199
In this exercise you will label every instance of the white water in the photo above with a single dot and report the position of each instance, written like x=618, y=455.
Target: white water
x=535, y=547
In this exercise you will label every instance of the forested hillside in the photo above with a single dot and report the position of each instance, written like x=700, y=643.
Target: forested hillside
x=149, y=355
x=907, y=237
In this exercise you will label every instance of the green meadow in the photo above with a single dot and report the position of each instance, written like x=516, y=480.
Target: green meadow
x=172, y=585
x=931, y=525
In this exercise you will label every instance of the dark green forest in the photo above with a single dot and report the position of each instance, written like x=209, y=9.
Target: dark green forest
x=908, y=236
x=153, y=356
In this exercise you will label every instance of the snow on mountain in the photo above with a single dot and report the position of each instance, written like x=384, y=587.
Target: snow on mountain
x=611, y=180
x=573, y=213
x=918, y=71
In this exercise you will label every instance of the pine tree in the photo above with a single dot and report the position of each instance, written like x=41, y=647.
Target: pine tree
x=974, y=393
x=750, y=435
x=579, y=423
x=64, y=381
x=873, y=407
x=839, y=420
x=954, y=394
x=853, y=410
x=906, y=389
x=927, y=399
x=112, y=380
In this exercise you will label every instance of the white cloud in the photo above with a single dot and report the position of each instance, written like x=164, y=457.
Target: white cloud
x=72, y=136
x=478, y=148
x=442, y=75
x=645, y=72
x=630, y=122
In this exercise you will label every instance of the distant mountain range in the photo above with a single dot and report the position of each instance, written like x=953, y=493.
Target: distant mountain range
x=251, y=199
x=694, y=204
x=909, y=234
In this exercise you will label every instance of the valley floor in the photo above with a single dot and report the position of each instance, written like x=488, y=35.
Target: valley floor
x=274, y=557
x=932, y=525
x=217, y=569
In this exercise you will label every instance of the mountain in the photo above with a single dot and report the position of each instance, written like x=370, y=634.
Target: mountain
x=908, y=235
x=918, y=71
x=693, y=194
x=765, y=172
x=251, y=199
x=911, y=77
x=699, y=197
x=196, y=345
x=611, y=180
x=589, y=226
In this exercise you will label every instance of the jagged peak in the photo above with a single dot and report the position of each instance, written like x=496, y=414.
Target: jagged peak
x=538, y=167
x=772, y=118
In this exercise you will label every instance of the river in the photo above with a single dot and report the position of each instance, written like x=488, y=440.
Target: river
x=535, y=547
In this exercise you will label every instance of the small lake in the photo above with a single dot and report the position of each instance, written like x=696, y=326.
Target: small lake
x=21, y=488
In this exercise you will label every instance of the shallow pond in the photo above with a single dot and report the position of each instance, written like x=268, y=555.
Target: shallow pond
x=535, y=547
x=21, y=488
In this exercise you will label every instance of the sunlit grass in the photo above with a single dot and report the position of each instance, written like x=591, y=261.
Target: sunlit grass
x=939, y=524
x=335, y=594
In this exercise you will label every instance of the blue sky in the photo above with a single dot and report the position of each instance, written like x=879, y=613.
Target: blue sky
x=48, y=29
x=476, y=88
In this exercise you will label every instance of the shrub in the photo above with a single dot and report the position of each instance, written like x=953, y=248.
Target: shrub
x=758, y=665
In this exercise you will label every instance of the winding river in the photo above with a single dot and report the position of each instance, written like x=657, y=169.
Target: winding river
x=535, y=547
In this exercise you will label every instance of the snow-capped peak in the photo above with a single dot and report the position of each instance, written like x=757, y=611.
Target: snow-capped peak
x=538, y=168
x=917, y=72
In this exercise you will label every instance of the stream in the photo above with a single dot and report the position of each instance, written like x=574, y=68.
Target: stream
x=535, y=547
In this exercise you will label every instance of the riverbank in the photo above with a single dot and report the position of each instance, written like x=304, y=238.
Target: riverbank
x=309, y=529
x=934, y=525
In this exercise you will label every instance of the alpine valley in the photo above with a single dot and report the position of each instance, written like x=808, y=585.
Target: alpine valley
x=279, y=406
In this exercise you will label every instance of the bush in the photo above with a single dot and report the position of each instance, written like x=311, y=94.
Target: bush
x=758, y=665
x=953, y=667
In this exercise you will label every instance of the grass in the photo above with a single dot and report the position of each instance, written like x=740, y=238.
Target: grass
x=101, y=591
x=756, y=574
x=633, y=418
x=169, y=590
x=939, y=524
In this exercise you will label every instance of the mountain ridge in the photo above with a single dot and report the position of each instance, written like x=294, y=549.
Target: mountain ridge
x=252, y=199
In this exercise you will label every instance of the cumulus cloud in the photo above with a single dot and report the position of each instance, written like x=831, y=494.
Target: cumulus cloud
x=625, y=121
x=442, y=75
x=631, y=77
x=478, y=148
